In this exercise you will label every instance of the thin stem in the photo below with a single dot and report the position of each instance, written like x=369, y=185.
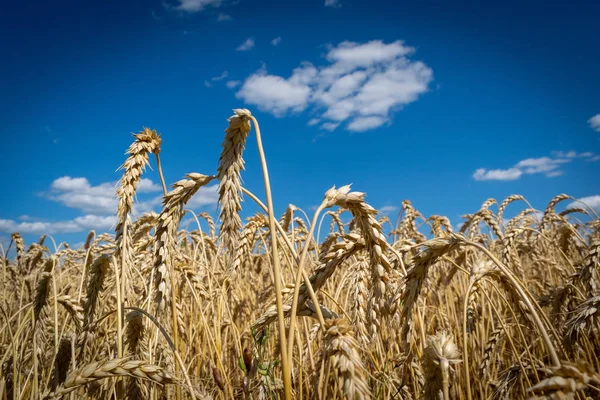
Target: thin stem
x=119, y=325
x=465, y=343
x=297, y=284
x=174, y=321
x=171, y=344
x=122, y=292
x=311, y=291
x=524, y=297
x=160, y=173
x=287, y=372
x=444, y=368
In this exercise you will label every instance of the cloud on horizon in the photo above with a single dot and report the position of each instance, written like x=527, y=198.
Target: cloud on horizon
x=592, y=201
x=99, y=205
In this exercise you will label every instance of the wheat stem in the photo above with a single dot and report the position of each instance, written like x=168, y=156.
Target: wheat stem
x=287, y=372
x=297, y=284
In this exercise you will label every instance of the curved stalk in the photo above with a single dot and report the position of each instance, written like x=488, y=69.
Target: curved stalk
x=524, y=297
x=287, y=372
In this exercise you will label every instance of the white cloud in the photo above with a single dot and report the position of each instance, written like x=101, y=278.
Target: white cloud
x=595, y=122
x=4, y=242
x=313, y=121
x=196, y=5
x=66, y=183
x=388, y=209
x=247, y=45
x=80, y=194
x=362, y=124
x=592, y=201
x=79, y=224
x=276, y=41
x=233, y=84
x=274, y=94
x=365, y=55
x=544, y=165
x=154, y=204
x=332, y=3
x=572, y=154
x=101, y=223
x=511, y=174
x=147, y=186
x=548, y=166
x=206, y=195
x=222, y=17
x=362, y=84
x=223, y=75
x=100, y=205
x=208, y=83
x=330, y=126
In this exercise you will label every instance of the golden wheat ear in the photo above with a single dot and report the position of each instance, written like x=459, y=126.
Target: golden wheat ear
x=231, y=164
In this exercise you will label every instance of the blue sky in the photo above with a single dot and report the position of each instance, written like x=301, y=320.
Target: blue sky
x=443, y=104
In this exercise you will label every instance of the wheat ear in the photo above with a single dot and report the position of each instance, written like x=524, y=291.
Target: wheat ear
x=340, y=351
x=231, y=164
x=112, y=368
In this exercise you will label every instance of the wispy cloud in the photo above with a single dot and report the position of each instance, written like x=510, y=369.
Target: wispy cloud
x=222, y=17
x=330, y=126
x=276, y=41
x=548, y=166
x=233, y=84
x=79, y=224
x=591, y=201
x=247, y=45
x=361, y=85
x=572, y=154
x=209, y=83
x=388, y=209
x=193, y=6
x=595, y=122
x=543, y=165
x=362, y=124
x=510, y=174
x=332, y=3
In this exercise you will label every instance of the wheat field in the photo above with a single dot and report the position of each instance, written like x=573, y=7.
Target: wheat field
x=258, y=309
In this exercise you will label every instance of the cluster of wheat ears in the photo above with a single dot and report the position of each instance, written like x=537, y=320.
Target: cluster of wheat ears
x=502, y=309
